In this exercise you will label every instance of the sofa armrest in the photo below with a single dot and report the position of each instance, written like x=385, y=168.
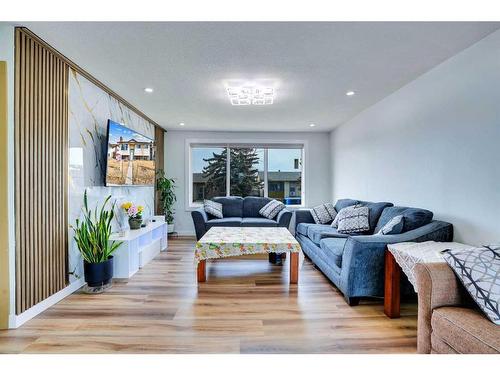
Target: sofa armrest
x=363, y=259
x=200, y=219
x=284, y=218
x=437, y=287
x=303, y=216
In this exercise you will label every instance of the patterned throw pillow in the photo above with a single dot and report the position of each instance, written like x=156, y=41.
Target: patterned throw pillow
x=353, y=220
x=324, y=213
x=394, y=226
x=271, y=209
x=335, y=222
x=479, y=271
x=213, y=208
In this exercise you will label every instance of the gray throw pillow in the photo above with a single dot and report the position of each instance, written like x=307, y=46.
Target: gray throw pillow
x=335, y=222
x=353, y=220
x=324, y=213
x=393, y=226
x=272, y=209
x=479, y=271
x=213, y=208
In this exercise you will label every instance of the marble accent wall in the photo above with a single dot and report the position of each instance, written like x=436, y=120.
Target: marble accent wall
x=89, y=110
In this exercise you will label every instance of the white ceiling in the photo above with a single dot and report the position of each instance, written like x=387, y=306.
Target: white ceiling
x=311, y=64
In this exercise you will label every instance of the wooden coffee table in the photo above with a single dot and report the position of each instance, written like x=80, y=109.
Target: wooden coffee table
x=222, y=242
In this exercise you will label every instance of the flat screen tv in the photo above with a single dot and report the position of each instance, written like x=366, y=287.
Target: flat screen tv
x=130, y=157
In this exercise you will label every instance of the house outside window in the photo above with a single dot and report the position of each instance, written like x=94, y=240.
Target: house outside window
x=274, y=171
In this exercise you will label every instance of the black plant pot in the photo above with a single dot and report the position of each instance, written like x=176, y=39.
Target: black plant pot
x=98, y=274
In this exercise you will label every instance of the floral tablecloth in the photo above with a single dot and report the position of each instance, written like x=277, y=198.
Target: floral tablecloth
x=221, y=242
x=408, y=254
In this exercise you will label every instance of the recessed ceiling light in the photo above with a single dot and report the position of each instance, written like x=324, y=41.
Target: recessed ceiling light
x=312, y=125
x=149, y=90
x=181, y=124
x=250, y=95
x=350, y=93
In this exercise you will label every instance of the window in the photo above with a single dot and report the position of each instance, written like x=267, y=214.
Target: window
x=247, y=172
x=284, y=173
x=273, y=171
x=124, y=147
x=208, y=171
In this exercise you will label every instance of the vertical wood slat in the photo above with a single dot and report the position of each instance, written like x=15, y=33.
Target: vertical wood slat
x=41, y=118
x=159, y=160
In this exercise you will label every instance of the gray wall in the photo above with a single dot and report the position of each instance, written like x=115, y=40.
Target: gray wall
x=435, y=143
x=317, y=159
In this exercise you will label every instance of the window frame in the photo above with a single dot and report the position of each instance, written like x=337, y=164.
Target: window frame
x=243, y=143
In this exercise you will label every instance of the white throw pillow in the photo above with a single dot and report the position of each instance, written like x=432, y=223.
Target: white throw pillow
x=213, y=208
x=393, y=226
x=335, y=222
x=478, y=269
x=353, y=220
x=324, y=213
x=272, y=209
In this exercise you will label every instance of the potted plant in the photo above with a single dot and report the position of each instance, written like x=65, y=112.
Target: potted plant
x=165, y=186
x=92, y=238
x=134, y=214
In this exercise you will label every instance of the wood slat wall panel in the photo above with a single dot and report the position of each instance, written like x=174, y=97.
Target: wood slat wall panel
x=160, y=163
x=41, y=115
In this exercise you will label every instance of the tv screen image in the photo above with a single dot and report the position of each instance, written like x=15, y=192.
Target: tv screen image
x=130, y=157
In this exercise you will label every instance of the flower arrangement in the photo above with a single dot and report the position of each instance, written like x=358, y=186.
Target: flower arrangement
x=132, y=210
x=134, y=213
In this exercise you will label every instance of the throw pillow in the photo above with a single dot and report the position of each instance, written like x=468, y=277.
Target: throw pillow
x=272, y=209
x=213, y=208
x=393, y=226
x=335, y=222
x=479, y=271
x=353, y=220
x=324, y=213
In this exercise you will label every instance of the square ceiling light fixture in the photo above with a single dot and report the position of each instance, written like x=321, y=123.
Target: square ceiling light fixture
x=250, y=95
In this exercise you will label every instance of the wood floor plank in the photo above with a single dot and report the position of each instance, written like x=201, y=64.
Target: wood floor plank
x=245, y=306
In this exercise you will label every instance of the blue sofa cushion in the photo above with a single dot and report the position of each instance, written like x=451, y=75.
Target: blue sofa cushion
x=375, y=210
x=333, y=249
x=303, y=227
x=258, y=222
x=394, y=226
x=343, y=203
x=413, y=218
x=231, y=206
x=252, y=206
x=224, y=222
x=316, y=232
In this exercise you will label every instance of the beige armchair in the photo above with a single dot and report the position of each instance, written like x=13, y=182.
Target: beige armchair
x=448, y=320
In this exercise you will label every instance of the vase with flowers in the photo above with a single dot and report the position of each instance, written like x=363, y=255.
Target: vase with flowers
x=134, y=213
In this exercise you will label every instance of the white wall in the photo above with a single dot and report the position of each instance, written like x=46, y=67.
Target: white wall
x=317, y=168
x=433, y=144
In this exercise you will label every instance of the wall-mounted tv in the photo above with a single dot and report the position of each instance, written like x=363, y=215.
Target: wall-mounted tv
x=130, y=157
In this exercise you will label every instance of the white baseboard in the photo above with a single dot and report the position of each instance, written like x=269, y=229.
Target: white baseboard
x=15, y=321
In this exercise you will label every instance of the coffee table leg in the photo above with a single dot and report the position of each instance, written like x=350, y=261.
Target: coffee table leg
x=294, y=268
x=392, y=293
x=202, y=276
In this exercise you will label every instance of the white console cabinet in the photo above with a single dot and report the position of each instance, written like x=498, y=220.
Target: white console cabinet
x=138, y=248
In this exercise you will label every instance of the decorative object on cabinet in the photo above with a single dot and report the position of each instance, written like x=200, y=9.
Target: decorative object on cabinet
x=92, y=236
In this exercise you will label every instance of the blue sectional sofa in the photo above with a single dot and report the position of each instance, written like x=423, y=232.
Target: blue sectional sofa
x=355, y=262
x=238, y=212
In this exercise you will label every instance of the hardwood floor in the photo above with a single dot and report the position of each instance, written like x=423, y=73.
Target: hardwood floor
x=246, y=306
